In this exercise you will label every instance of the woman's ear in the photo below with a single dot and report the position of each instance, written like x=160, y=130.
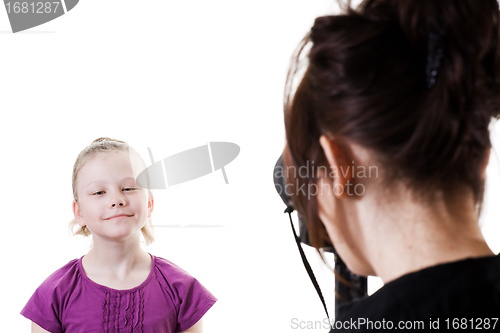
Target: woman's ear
x=78, y=214
x=337, y=158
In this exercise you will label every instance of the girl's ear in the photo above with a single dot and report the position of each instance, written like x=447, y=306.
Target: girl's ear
x=151, y=203
x=78, y=214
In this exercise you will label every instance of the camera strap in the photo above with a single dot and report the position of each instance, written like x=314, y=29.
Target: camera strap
x=289, y=210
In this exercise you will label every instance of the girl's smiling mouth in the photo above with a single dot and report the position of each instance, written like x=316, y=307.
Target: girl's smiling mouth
x=117, y=216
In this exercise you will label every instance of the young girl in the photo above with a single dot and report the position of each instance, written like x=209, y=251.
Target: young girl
x=116, y=286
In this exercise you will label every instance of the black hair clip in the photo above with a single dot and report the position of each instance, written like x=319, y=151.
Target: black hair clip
x=435, y=54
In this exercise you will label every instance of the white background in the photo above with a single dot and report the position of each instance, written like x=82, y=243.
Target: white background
x=170, y=75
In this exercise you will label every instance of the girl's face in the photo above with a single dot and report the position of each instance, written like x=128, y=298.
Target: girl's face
x=110, y=203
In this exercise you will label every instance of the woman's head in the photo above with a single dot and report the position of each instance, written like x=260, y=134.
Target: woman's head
x=365, y=85
x=104, y=186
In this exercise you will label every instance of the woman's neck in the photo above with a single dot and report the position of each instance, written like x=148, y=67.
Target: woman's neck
x=417, y=235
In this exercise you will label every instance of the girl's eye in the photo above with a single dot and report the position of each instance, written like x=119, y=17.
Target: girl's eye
x=129, y=189
x=98, y=192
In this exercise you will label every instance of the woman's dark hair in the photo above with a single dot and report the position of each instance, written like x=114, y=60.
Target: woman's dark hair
x=365, y=83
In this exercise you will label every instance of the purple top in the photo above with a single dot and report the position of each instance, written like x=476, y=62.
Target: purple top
x=169, y=300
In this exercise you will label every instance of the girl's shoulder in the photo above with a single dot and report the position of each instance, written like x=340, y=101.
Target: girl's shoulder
x=175, y=280
x=190, y=298
x=167, y=266
x=171, y=275
x=62, y=281
x=47, y=302
x=66, y=276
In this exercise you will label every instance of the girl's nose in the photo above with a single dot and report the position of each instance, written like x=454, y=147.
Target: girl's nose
x=118, y=201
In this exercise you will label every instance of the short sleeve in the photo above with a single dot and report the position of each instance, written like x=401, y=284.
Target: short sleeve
x=191, y=299
x=195, y=301
x=43, y=308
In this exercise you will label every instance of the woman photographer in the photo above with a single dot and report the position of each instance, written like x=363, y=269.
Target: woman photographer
x=394, y=110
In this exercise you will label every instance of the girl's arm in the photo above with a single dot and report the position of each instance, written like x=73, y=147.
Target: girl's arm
x=196, y=328
x=37, y=329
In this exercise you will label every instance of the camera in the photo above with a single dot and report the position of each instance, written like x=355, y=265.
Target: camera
x=348, y=286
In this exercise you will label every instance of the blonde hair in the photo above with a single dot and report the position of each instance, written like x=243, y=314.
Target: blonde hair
x=103, y=145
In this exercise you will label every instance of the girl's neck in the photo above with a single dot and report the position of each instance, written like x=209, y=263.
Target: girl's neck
x=115, y=259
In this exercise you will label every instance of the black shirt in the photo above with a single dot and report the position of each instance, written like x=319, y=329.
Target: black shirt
x=460, y=296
